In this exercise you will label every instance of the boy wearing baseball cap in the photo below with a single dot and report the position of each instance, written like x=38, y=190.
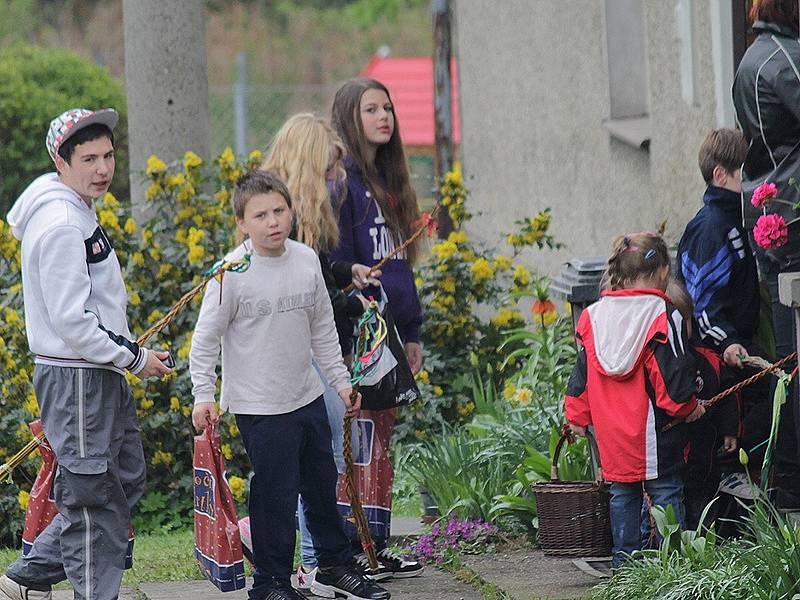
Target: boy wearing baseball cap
x=75, y=302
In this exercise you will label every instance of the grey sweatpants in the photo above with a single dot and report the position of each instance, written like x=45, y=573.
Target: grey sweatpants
x=89, y=417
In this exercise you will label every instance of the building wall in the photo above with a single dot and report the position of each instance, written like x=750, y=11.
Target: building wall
x=534, y=92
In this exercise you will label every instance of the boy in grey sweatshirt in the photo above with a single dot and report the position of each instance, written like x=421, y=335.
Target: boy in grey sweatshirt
x=75, y=302
x=268, y=321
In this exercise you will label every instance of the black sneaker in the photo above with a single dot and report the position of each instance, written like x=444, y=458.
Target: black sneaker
x=347, y=582
x=380, y=574
x=283, y=591
x=398, y=566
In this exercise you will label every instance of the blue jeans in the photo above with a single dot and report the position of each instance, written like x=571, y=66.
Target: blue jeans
x=626, y=510
x=335, y=409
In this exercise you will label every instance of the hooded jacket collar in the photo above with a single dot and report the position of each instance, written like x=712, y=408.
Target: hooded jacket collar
x=622, y=323
x=43, y=190
x=769, y=27
x=726, y=200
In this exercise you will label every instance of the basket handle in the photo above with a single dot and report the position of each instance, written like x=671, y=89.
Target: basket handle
x=594, y=456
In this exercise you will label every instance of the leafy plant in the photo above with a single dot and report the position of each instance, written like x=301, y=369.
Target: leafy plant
x=448, y=540
x=472, y=294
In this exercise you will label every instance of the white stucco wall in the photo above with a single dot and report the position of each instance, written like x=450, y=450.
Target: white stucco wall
x=534, y=91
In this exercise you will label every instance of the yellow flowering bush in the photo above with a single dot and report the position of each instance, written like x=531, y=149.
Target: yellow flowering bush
x=190, y=227
x=471, y=294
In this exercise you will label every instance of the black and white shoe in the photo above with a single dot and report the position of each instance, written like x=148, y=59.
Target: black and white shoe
x=398, y=566
x=283, y=591
x=348, y=582
x=382, y=573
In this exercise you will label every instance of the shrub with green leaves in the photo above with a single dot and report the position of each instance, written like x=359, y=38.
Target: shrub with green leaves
x=36, y=85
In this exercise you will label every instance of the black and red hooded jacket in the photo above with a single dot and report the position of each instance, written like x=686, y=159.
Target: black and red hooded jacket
x=634, y=374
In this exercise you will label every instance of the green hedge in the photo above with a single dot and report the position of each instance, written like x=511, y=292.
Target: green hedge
x=37, y=84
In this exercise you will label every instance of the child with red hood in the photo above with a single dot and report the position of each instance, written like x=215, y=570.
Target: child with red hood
x=634, y=374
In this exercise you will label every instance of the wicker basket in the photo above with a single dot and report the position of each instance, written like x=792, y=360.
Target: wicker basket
x=573, y=515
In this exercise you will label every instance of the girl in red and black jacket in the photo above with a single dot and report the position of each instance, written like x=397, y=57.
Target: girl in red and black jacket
x=634, y=375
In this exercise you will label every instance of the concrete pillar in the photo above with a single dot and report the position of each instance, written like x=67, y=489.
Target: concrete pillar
x=166, y=82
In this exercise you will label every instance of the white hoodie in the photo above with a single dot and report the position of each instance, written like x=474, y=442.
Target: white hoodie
x=75, y=298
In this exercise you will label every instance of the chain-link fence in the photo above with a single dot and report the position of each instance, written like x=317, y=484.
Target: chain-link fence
x=268, y=106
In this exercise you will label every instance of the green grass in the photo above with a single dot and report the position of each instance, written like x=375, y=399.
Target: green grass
x=166, y=556
x=163, y=557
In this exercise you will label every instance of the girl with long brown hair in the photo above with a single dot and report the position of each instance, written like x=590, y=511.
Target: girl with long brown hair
x=377, y=213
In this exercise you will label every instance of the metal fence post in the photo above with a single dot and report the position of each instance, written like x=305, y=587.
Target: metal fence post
x=240, y=106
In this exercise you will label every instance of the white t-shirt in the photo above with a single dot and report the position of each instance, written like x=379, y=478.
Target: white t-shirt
x=268, y=322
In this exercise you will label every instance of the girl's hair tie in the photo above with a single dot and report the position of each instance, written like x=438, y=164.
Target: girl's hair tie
x=650, y=254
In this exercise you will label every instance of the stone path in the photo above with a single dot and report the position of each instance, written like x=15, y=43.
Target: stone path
x=523, y=575
x=431, y=585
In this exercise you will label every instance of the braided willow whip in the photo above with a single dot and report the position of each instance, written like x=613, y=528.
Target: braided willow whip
x=14, y=461
x=356, y=508
x=427, y=219
x=739, y=386
x=218, y=270
x=360, y=370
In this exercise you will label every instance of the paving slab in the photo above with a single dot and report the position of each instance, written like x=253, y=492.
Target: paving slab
x=406, y=527
x=124, y=594
x=528, y=574
x=431, y=585
x=190, y=590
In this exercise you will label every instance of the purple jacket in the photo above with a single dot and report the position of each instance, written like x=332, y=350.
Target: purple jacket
x=364, y=238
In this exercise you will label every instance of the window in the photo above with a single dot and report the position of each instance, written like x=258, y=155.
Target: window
x=626, y=52
x=684, y=25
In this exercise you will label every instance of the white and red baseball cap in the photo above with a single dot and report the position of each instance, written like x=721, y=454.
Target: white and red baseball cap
x=68, y=123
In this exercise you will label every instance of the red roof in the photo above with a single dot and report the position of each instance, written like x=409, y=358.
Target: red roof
x=410, y=83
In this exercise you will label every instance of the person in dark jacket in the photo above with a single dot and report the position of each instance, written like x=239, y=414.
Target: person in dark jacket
x=713, y=437
x=716, y=264
x=715, y=261
x=766, y=96
x=377, y=213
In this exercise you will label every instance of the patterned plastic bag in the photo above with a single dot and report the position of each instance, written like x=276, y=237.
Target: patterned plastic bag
x=42, y=507
x=218, y=544
x=388, y=382
x=374, y=475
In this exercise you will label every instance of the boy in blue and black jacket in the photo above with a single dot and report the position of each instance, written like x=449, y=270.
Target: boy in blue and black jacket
x=717, y=266
x=715, y=260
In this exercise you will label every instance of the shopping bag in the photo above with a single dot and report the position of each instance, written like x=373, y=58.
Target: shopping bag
x=218, y=544
x=388, y=382
x=374, y=474
x=42, y=507
x=247, y=540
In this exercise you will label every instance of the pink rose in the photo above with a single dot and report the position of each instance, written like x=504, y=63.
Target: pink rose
x=763, y=194
x=770, y=231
